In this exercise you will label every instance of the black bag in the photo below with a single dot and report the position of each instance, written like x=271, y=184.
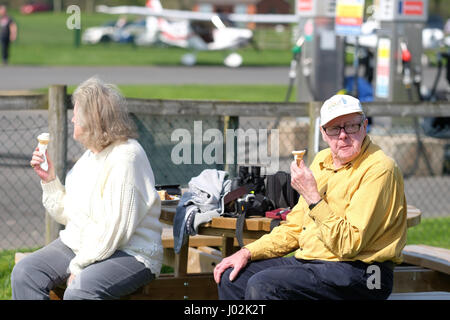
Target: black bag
x=280, y=191
x=250, y=205
x=253, y=183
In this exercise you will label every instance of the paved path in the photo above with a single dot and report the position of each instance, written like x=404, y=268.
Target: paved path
x=33, y=77
x=24, y=77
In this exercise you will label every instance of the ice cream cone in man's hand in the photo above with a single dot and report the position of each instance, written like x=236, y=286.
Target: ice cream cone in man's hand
x=298, y=156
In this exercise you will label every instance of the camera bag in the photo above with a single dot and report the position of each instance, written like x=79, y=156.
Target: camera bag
x=280, y=191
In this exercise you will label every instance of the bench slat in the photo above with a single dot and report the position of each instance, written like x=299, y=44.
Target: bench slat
x=427, y=256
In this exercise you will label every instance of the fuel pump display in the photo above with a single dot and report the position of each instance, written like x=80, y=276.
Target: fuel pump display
x=399, y=48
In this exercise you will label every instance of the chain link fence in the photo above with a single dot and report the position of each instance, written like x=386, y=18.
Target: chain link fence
x=423, y=159
x=21, y=210
x=172, y=142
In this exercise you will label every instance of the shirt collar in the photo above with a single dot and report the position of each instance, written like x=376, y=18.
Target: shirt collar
x=104, y=152
x=327, y=163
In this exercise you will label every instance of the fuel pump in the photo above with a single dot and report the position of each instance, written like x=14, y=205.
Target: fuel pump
x=398, y=71
x=401, y=23
x=320, y=71
x=407, y=82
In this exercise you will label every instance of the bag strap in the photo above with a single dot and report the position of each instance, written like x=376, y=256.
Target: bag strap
x=240, y=228
x=235, y=194
x=241, y=211
x=274, y=223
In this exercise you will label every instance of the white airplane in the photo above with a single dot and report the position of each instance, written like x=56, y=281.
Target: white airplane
x=186, y=29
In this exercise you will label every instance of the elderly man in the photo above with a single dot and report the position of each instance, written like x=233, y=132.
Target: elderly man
x=347, y=230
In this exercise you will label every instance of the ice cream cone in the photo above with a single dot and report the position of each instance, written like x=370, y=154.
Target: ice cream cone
x=43, y=139
x=298, y=156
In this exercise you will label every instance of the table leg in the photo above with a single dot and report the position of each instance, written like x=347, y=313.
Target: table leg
x=227, y=246
x=181, y=261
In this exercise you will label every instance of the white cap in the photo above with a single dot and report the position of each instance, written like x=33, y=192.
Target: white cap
x=339, y=105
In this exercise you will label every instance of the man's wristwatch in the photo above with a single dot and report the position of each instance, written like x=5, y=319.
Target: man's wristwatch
x=312, y=205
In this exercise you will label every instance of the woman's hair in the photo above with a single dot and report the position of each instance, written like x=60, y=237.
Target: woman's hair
x=102, y=113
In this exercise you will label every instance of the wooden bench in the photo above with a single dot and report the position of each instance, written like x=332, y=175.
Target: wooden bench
x=428, y=257
x=199, y=284
x=432, y=295
x=425, y=274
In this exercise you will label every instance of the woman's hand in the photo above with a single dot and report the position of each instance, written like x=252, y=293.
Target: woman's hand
x=237, y=261
x=303, y=181
x=36, y=160
x=70, y=279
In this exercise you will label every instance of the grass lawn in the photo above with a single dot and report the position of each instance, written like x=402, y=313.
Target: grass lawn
x=43, y=39
x=431, y=231
x=269, y=93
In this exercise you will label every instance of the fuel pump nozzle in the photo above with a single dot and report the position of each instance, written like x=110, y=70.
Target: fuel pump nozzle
x=298, y=47
x=407, y=80
x=296, y=50
x=406, y=63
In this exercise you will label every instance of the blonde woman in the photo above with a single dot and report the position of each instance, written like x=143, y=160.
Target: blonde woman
x=111, y=244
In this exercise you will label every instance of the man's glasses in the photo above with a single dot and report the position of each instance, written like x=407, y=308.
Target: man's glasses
x=348, y=128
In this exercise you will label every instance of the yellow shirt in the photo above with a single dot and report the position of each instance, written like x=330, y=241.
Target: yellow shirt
x=362, y=215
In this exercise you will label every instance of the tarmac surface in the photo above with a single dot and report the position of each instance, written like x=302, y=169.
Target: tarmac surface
x=34, y=77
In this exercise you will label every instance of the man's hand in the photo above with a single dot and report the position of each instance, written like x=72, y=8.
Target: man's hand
x=302, y=180
x=237, y=261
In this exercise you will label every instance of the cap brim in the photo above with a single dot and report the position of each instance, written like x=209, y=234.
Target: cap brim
x=325, y=121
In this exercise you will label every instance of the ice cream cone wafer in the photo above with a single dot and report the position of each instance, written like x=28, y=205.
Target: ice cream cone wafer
x=43, y=139
x=298, y=156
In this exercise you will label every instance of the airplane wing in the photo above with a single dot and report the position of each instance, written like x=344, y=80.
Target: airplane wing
x=199, y=16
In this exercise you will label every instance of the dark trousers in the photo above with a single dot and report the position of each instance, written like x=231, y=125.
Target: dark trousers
x=5, y=50
x=291, y=278
x=36, y=274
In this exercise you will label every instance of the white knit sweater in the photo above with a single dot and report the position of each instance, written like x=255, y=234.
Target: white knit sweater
x=109, y=203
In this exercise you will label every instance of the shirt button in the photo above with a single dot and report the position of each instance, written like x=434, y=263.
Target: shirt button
x=304, y=228
x=301, y=248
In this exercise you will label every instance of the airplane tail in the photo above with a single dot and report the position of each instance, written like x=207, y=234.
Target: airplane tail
x=154, y=4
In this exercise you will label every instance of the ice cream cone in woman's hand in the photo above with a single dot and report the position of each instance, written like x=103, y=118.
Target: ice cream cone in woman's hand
x=44, y=139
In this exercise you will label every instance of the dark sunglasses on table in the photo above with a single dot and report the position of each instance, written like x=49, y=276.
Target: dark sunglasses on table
x=348, y=129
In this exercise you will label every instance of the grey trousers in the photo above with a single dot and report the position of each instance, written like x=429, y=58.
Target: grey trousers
x=35, y=275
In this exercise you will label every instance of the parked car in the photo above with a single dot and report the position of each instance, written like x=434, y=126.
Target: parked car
x=103, y=33
x=116, y=31
x=34, y=7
